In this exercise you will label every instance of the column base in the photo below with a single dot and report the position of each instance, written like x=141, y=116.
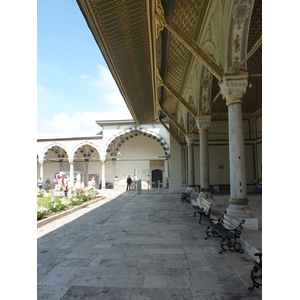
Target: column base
x=243, y=212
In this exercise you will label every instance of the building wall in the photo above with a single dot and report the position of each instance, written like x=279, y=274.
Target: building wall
x=124, y=168
x=143, y=154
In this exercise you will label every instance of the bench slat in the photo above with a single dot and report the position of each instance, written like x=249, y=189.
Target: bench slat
x=202, y=207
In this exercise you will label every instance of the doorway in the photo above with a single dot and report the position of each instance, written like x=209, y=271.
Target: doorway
x=156, y=175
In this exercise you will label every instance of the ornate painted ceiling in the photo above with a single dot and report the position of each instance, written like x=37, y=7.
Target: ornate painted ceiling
x=153, y=64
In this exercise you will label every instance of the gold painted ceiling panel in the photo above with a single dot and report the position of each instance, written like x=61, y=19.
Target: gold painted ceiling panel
x=185, y=14
x=122, y=32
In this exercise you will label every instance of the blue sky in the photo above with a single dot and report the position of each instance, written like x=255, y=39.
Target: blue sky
x=74, y=85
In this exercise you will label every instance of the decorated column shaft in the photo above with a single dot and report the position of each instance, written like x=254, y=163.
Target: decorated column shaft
x=71, y=183
x=190, y=138
x=86, y=172
x=233, y=86
x=203, y=123
x=103, y=175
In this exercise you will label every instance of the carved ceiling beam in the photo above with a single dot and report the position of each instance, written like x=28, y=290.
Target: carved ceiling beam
x=169, y=88
x=169, y=130
x=173, y=120
x=191, y=45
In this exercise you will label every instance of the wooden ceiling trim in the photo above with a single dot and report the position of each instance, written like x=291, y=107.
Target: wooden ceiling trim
x=192, y=46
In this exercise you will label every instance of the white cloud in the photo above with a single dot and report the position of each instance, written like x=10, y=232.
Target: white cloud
x=79, y=123
x=107, y=87
x=44, y=94
x=113, y=99
x=111, y=107
x=105, y=81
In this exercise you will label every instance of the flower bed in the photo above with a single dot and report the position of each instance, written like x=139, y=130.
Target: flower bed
x=52, y=204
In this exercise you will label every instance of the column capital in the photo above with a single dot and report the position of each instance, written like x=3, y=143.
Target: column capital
x=102, y=157
x=190, y=138
x=233, y=86
x=71, y=160
x=203, y=122
x=41, y=161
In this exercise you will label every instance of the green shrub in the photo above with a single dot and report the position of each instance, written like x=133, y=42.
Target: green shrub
x=47, y=205
x=40, y=194
x=42, y=212
x=56, y=205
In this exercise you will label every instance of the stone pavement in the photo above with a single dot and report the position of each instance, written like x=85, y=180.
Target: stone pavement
x=146, y=246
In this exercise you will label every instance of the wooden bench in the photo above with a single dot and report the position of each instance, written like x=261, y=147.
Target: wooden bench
x=256, y=273
x=185, y=196
x=202, y=207
x=229, y=229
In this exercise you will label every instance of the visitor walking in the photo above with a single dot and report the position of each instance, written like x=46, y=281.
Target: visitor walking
x=129, y=180
x=40, y=183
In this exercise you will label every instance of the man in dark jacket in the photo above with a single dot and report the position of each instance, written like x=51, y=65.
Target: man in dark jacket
x=129, y=180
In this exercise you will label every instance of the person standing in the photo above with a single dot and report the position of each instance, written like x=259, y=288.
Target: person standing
x=59, y=184
x=56, y=183
x=48, y=185
x=129, y=180
x=116, y=182
x=40, y=183
x=66, y=188
x=90, y=183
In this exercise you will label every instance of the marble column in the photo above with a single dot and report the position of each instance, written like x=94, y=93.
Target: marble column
x=71, y=182
x=190, y=138
x=86, y=172
x=41, y=162
x=203, y=123
x=233, y=86
x=103, y=175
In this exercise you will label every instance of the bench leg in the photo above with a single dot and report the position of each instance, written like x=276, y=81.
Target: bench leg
x=232, y=246
x=195, y=214
x=200, y=219
x=207, y=232
x=256, y=277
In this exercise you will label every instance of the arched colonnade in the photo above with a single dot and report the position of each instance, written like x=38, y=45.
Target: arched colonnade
x=82, y=158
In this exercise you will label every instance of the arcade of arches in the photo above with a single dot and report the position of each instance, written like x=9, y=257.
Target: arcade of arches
x=118, y=151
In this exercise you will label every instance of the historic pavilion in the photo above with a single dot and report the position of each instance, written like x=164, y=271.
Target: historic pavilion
x=190, y=73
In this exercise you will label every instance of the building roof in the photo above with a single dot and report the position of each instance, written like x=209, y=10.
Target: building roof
x=153, y=67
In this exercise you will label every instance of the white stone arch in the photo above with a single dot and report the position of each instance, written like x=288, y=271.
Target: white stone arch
x=237, y=35
x=45, y=151
x=159, y=137
x=39, y=155
x=86, y=142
